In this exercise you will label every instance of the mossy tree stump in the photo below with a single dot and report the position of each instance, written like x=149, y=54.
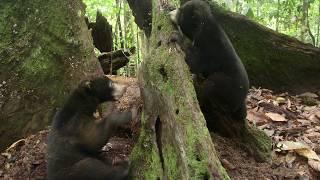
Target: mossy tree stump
x=174, y=142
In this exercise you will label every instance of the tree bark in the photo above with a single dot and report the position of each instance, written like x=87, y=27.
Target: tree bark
x=101, y=32
x=119, y=5
x=142, y=12
x=174, y=142
x=45, y=50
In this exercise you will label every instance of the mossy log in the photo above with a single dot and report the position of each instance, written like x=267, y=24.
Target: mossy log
x=272, y=60
x=174, y=142
x=112, y=61
x=45, y=50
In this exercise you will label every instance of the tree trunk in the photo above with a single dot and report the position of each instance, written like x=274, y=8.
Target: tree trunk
x=278, y=16
x=101, y=32
x=272, y=60
x=318, y=26
x=45, y=50
x=119, y=5
x=174, y=142
x=304, y=19
x=142, y=12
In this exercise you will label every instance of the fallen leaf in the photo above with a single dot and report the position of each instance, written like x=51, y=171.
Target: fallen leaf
x=16, y=145
x=304, y=122
x=7, y=155
x=313, y=134
x=276, y=117
x=315, y=164
x=309, y=131
x=298, y=147
x=309, y=94
x=318, y=114
x=302, y=150
x=269, y=132
x=307, y=140
x=257, y=118
x=309, y=108
x=289, y=104
x=308, y=153
x=275, y=103
x=313, y=118
x=278, y=138
x=281, y=100
x=290, y=145
x=283, y=94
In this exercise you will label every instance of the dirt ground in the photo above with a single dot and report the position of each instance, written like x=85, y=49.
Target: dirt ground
x=240, y=165
x=283, y=117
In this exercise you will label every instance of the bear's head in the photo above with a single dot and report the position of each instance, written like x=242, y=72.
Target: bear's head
x=191, y=17
x=104, y=89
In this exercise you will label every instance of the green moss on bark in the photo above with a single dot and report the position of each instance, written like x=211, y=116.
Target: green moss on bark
x=45, y=50
x=145, y=157
x=258, y=141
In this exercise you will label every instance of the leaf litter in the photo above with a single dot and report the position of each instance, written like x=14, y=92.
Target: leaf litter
x=293, y=123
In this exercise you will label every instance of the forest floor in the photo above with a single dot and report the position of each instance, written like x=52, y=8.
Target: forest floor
x=293, y=123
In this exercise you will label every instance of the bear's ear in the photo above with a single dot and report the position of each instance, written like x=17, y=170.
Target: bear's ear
x=87, y=86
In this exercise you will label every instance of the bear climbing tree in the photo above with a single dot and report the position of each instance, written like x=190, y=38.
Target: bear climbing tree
x=174, y=141
x=220, y=79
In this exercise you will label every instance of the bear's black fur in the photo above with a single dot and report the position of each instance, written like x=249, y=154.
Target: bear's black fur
x=76, y=138
x=221, y=81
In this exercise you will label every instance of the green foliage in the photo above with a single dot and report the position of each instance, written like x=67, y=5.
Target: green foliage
x=296, y=18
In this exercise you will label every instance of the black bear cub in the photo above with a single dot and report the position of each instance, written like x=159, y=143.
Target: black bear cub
x=221, y=81
x=76, y=138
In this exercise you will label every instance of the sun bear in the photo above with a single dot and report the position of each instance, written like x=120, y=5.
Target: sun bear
x=220, y=79
x=76, y=137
